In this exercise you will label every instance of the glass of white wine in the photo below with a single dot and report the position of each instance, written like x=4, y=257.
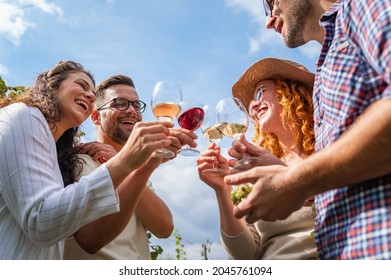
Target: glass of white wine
x=234, y=120
x=166, y=98
x=211, y=129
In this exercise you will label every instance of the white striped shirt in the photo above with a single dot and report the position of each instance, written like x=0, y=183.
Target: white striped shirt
x=36, y=212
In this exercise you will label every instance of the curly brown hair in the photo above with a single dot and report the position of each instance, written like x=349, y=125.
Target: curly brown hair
x=43, y=96
x=297, y=117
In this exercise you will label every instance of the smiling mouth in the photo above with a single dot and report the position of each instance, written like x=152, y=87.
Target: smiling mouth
x=128, y=121
x=261, y=111
x=83, y=105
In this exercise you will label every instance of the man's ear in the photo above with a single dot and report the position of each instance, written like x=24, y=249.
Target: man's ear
x=95, y=117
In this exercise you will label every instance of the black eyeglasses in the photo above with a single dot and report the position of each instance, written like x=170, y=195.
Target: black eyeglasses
x=268, y=6
x=122, y=104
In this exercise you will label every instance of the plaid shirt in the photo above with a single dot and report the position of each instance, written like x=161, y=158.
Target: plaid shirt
x=353, y=71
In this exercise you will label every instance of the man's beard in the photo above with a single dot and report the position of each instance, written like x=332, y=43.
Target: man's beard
x=116, y=133
x=297, y=20
x=120, y=136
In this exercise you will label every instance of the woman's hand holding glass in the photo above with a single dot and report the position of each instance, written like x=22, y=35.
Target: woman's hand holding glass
x=209, y=160
x=145, y=139
x=265, y=157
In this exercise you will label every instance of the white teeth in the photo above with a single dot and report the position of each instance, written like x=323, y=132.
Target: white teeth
x=262, y=110
x=127, y=121
x=83, y=104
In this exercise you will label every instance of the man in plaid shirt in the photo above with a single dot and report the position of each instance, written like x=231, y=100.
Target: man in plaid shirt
x=350, y=174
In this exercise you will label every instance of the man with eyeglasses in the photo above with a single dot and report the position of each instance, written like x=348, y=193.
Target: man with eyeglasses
x=123, y=235
x=351, y=172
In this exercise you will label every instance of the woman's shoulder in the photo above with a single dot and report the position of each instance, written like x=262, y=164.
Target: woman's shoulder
x=22, y=110
x=20, y=116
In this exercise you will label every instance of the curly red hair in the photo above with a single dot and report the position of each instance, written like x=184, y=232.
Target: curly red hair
x=297, y=117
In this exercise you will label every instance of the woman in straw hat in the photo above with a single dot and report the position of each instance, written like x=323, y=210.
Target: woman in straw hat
x=278, y=94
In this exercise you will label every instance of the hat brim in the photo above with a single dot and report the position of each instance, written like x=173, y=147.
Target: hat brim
x=269, y=68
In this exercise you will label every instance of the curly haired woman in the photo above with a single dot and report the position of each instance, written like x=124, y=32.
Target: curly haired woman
x=278, y=94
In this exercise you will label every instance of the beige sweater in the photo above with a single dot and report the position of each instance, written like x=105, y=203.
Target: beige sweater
x=289, y=239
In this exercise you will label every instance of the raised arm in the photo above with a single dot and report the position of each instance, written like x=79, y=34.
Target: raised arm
x=154, y=214
x=109, y=227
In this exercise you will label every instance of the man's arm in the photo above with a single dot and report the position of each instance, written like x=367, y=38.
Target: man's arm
x=154, y=214
x=363, y=152
x=109, y=227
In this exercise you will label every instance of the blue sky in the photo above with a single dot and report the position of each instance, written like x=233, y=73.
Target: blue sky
x=205, y=45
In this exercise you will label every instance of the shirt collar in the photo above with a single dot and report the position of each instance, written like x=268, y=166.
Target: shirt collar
x=330, y=15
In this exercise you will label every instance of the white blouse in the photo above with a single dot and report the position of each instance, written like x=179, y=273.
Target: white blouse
x=36, y=211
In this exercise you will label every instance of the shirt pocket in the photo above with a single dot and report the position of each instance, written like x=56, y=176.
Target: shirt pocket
x=342, y=80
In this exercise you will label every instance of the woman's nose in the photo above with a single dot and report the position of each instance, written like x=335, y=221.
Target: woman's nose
x=254, y=106
x=90, y=95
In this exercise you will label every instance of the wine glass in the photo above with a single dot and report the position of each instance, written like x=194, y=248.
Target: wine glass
x=191, y=118
x=165, y=101
x=232, y=114
x=211, y=129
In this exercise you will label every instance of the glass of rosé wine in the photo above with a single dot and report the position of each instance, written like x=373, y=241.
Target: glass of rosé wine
x=166, y=98
x=191, y=118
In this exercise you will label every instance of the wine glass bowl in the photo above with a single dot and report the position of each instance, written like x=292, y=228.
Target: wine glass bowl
x=211, y=129
x=166, y=111
x=166, y=97
x=191, y=118
x=233, y=115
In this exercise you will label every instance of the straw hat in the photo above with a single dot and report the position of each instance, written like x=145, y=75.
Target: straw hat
x=269, y=68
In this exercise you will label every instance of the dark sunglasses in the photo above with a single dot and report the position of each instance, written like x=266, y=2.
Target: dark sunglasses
x=122, y=104
x=268, y=6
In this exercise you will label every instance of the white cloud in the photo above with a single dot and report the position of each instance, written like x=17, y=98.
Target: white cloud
x=3, y=71
x=252, y=7
x=311, y=49
x=13, y=21
x=255, y=10
x=44, y=6
x=193, y=205
x=263, y=40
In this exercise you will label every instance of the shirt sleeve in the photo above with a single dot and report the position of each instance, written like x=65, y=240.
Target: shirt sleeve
x=368, y=26
x=31, y=184
x=244, y=246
